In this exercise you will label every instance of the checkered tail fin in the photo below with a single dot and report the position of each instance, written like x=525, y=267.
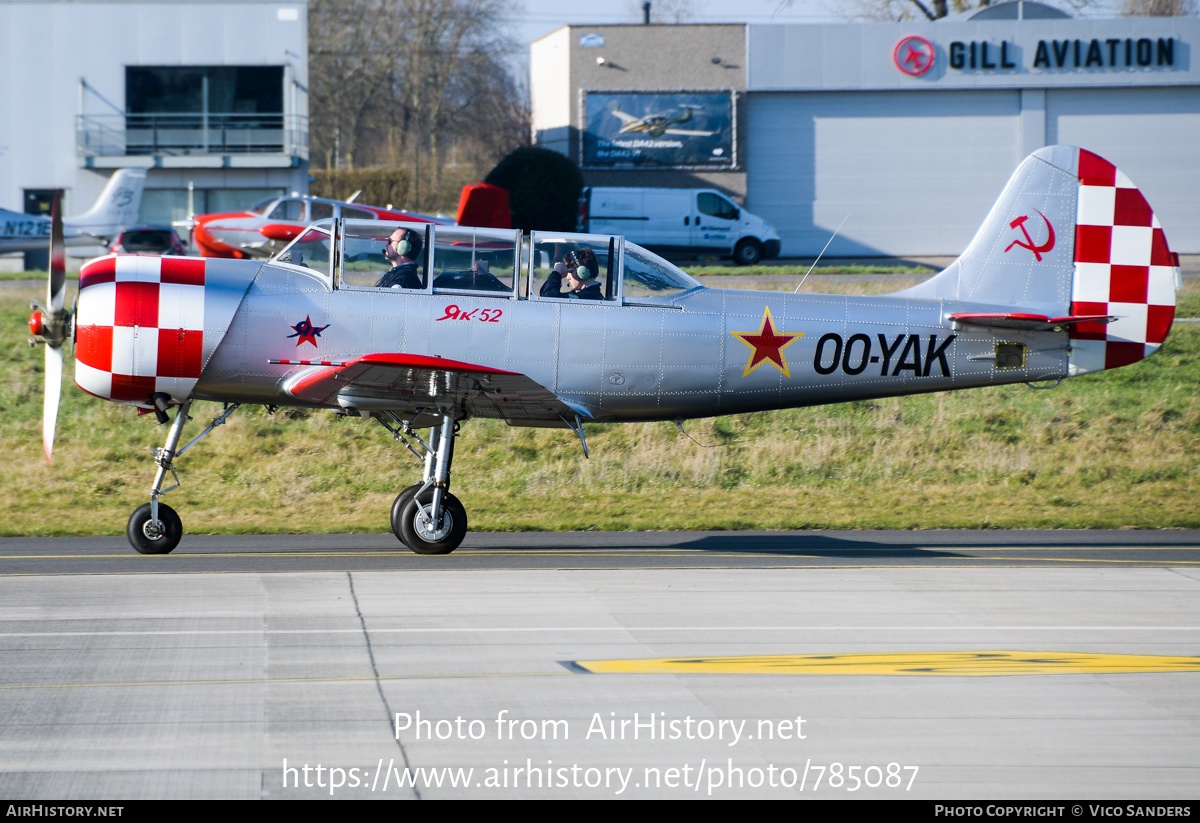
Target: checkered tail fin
x=1071, y=236
x=1123, y=269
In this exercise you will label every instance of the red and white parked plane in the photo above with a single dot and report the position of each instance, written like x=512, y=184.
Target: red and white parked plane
x=266, y=227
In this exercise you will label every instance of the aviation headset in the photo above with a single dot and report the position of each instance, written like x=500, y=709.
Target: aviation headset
x=582, y=272
x=409, y=245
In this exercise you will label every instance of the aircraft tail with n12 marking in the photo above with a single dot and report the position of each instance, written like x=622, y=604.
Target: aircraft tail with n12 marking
x=116, y=208
x=1072, y=245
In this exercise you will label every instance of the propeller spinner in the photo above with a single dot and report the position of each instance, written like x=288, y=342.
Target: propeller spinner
x=50, y=324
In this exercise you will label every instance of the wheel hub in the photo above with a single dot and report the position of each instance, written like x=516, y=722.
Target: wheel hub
x=153, y=529
x=426, y=528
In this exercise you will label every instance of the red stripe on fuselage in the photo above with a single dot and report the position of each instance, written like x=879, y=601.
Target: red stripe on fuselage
x=182, y=270
x=136, y=304
x=103, y=270
x=179, y=352
x=93, y=346
x=130, y=387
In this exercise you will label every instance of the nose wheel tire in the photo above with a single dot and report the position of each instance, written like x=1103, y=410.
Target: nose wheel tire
x=432, y=538
x=150, y=537
x=748, y=252
x=398, y=509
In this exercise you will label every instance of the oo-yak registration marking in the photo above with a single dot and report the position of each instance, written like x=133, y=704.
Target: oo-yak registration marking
x=854, y=355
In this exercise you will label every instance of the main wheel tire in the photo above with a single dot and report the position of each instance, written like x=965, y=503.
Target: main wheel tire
x=442, y=539
x=148, y=541
x=748, y=252
x=398, y=508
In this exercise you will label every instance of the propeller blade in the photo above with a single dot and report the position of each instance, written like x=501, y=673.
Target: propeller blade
x=54, y=328
x=57, y=282
x=54, y=371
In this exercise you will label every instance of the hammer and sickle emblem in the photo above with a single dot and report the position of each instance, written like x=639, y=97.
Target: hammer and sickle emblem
x=1037, y=250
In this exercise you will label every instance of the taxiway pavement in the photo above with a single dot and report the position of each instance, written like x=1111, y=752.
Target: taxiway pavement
x=941, y=665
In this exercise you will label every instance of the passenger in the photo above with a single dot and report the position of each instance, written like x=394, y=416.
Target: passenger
x=403, y=249
x=582, y=272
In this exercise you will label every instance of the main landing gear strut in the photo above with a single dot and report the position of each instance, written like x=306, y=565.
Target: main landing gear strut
x=426, y=517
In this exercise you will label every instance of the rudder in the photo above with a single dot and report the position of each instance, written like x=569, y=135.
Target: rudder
x=1123, y=269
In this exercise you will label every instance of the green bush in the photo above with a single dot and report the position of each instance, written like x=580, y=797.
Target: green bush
x=543, y=188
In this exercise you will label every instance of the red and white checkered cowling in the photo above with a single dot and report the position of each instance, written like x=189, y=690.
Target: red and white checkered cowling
x=139, y=327
x=1123, y=268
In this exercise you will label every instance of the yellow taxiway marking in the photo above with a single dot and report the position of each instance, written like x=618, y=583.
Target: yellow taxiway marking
x=958, y=664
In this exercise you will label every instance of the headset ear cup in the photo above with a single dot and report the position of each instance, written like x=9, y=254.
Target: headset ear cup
x=404, y=246
x=583, y=273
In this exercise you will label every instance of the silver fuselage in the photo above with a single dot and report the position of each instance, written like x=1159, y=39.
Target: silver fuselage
x=682, y=358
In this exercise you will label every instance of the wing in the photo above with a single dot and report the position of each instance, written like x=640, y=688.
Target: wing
x=410, y=383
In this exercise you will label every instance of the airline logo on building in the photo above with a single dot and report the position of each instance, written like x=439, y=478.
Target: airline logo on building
x=913, y=55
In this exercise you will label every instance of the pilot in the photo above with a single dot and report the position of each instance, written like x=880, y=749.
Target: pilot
x=403, y=249
x=582, y=272
x=580, y=269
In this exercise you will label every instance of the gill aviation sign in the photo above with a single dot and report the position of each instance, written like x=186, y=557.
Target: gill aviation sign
x=915, y=55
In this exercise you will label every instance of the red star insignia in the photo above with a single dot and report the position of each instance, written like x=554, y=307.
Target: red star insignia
x=307, y=332
x=768, y=345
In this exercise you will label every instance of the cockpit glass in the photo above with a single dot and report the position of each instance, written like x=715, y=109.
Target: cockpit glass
x=476, y=260
x=310, y=249
x=384, y=254
x=288, y=210
x=647, y=275
x=262, y=206
x=574, y=266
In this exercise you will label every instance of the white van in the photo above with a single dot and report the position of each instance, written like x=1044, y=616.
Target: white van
x=679, y=220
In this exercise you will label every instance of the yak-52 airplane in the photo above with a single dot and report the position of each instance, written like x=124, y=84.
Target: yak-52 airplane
x=116, y=208
x=1069, y=274
x=656, y=125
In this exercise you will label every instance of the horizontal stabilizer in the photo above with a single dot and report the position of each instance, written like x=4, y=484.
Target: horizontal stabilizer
x=1029, y=322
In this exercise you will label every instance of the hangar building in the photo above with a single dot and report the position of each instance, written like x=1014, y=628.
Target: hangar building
x=907, y=130
x=195, y=91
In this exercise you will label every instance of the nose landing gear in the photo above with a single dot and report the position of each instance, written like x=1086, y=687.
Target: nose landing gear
x=154, y=527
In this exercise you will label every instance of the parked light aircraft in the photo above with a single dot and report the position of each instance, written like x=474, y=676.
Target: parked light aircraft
x=266, y=227
x=656, y=125
x=116, y=208
x=1069, y=274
